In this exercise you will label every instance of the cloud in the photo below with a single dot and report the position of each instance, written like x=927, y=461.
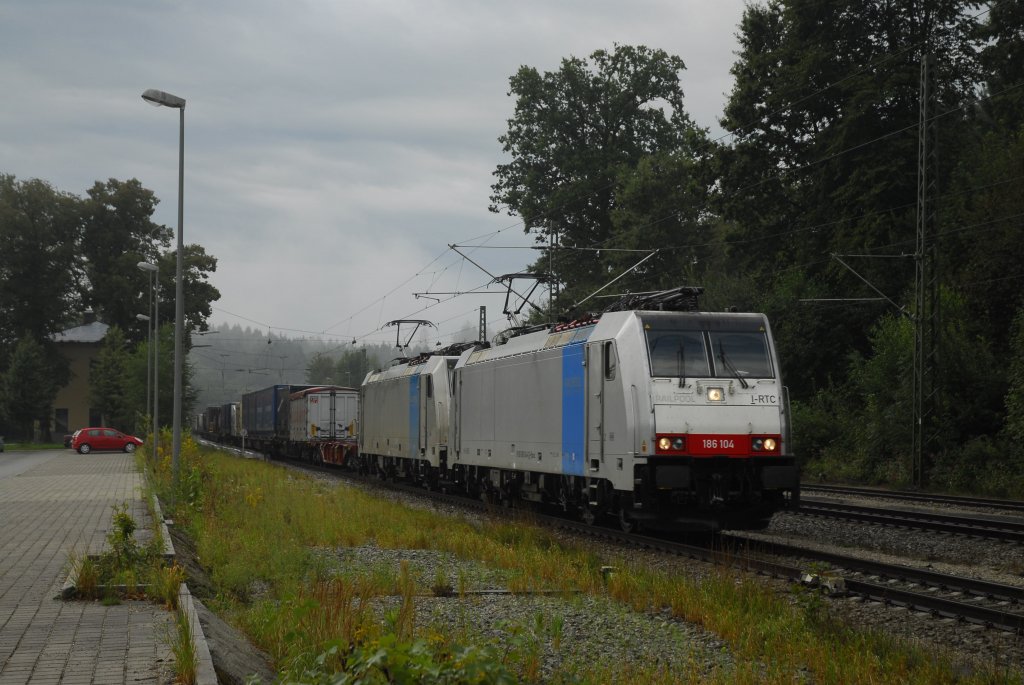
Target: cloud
x=333, y=149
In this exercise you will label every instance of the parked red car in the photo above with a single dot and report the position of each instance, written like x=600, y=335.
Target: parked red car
x=88, y=439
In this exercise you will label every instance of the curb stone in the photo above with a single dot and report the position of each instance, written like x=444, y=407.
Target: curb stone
x=205, y=673
x=168, y=553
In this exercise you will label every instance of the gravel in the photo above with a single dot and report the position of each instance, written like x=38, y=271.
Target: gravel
x=589, y=627
x=969, y=645
x=562, y=631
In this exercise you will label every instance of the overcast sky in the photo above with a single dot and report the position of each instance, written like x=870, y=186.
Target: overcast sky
x=333, y=149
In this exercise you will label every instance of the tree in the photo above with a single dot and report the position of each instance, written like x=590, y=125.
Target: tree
x=1002, y=35
x=980, y=233
x=1015, y=395
x=353, y=367
x=109, y=382
x=39, y=263
x=320, y=370
x=199, y=292
x=576, y=135
x=117, y=234
x=29, y=387
x=348, y=370
x=824, y=112
x=59, y=252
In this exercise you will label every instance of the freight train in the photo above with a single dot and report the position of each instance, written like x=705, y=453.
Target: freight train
x=312, y=423
x=650, y=413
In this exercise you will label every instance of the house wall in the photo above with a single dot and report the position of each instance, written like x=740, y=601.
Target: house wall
x=74, y=397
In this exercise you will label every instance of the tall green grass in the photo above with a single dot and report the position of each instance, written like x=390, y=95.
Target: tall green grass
x=183, y=647
x=257, y=525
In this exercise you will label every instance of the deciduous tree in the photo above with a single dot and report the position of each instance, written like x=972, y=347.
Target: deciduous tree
x=39, y=262
x=29, y=386
x=109, y=381
x=577, y=134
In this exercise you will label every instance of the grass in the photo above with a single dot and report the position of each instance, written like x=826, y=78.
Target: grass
x=258, y=527
x=184, y=650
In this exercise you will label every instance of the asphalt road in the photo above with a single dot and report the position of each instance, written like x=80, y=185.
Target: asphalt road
x=14, y=462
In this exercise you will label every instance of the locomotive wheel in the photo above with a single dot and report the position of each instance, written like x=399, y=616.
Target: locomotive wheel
x=587, y=515
x=626, y=522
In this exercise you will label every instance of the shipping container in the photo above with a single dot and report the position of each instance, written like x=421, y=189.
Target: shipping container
x=265, y=415
x=323, y=414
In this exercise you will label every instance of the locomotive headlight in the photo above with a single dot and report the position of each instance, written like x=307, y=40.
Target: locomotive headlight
x=716, y=394
x=770, y=444
x=671, y=444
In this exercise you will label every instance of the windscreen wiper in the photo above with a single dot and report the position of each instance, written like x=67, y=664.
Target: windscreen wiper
x=729, y=367
x=681, y=360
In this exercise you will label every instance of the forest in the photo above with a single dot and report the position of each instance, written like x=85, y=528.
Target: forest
x=869, y=186
x=854, y=197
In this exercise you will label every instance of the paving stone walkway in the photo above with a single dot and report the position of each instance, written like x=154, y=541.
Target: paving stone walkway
x=58, y=507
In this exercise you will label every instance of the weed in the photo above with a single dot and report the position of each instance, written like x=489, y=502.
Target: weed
x=88, y=577
x=523, y=647
x=390, y=660
x=123, y=551
x=320, y=626
x=442, y=587
x=126, y=564
x=403, y=620
x=184, y=650
x=556, y=627
x=165, y=585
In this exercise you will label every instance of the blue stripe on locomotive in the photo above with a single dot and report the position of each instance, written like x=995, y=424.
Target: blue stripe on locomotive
x=573, y=410
x=414, y=415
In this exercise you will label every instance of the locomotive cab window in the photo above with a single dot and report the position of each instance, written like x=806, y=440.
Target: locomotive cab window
x=705, y=347
x=609, y=361
x=741, y=355
x=676, y=353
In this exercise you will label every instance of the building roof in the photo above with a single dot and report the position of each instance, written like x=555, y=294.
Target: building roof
x=88, y=333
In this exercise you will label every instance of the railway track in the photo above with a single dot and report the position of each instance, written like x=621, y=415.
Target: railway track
x=982, y=602
x=957, y=598
x=930, y=498
x=971, y=600
x=989, y=528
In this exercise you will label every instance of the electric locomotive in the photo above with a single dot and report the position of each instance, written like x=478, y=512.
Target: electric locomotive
x=403, y=417
x=651, y=412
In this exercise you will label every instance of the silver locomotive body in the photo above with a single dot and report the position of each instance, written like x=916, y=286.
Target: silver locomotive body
x=675, y=419
x=404, y=418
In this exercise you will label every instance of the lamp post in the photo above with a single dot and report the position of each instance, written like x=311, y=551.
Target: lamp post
x=155, y=297
x=162, y=99
x=149, y=353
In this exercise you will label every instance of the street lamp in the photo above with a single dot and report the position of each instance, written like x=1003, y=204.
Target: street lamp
x=149, y=353
x=162, y=99
x=154, y=296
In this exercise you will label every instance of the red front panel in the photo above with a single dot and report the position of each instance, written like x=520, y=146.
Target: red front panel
x=712, y=444
x=717, y=445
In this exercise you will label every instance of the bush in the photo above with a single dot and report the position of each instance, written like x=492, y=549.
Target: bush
x=390, y=660
x=983, y=466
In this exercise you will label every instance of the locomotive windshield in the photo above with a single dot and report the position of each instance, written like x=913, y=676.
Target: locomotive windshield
x=687, y=347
